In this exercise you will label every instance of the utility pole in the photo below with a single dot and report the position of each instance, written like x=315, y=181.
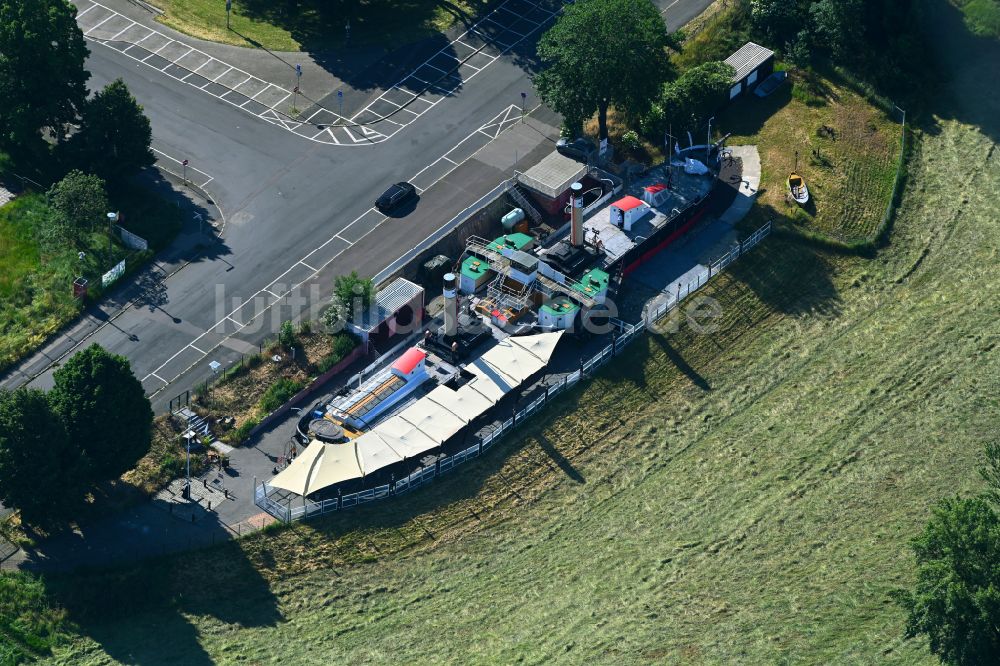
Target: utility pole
x=708, y=141
x=112, y=218
x=298, y=81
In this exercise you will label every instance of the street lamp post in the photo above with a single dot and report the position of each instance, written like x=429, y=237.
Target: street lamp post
x=112, y=218
x=708, y=141
x=524, y=97
x=189, y=435
x=229, y=8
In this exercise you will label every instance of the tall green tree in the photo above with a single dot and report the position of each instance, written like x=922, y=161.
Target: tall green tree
x=601, y=53
x=105, y=410
x=956, y=600
x=686, y=103
x=40, y=472
x=115, y=134
x=80, y=199
x=42, y=79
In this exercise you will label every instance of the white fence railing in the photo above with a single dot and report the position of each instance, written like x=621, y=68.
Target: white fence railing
x=683, y=290
x=624, y=334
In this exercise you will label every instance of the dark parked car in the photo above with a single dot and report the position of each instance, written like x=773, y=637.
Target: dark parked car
x=578, y=149
x=394, y=196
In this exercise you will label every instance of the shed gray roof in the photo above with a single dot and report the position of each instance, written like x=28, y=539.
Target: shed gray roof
x=553, y=175
x=396, y=294
x=749, y=57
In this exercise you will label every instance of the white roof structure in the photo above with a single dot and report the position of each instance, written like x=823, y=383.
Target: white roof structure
x=749, y=57
x=407, y=440
x=426, y=424
x=375, y=452
x=320, y=466
x=553, y=174
x=465, y=403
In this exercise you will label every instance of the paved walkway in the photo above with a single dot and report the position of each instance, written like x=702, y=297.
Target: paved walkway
x=140, y=289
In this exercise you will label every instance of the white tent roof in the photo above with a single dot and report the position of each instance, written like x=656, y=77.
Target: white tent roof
x=465, y=403
x=489, y=372
x=320, y=465
x=375, y=452
x=404, y=437
x=432, y=419
x=486, y=387
x=424, y=425
x=540, y=346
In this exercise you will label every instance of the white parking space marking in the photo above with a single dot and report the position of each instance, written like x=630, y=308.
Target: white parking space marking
x=501, y=120
x=182, y=61
x=193, y=174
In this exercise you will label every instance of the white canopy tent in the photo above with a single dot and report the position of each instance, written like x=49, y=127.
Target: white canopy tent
x=426, y=424
x=465, y=403
x=320, y=466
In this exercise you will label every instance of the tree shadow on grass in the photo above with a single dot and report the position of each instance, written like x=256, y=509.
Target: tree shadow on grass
x=789, y=275
x=137, y=613
x=970, y=71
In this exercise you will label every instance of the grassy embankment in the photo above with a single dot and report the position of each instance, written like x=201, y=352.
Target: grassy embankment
x=36, y=284
x=847, y=151
x=314, y=25
x=982, y=16
x=744, y=496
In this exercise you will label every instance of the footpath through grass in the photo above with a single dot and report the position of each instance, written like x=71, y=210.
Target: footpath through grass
x=740, y=497
x=315, y=25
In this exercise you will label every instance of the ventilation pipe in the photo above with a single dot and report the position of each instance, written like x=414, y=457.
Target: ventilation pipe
x=576, y=215
x=450, y=305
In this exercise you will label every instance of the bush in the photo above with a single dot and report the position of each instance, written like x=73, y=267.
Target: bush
x=343, y=344
x=630, y=141
x=305, y=327
x=240, y=433
x=286, y=336
x=279, y=393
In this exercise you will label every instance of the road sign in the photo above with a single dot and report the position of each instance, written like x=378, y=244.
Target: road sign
x=340, y=93
x=298, y=70
x=113, y=274
x=184, y=163
x=229, y=5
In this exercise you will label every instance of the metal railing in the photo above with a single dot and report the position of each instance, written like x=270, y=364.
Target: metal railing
x=683, y=290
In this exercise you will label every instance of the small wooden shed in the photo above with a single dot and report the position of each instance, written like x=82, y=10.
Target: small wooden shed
x=753, y=63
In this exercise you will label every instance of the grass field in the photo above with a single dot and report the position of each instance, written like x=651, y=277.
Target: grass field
x=314, y=25
x=36, y=292
x=850, y=177
x=982, y=16
x=741, y=497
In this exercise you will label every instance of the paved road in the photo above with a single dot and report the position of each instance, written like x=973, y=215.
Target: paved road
x=296, y=212
x=286, y=200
